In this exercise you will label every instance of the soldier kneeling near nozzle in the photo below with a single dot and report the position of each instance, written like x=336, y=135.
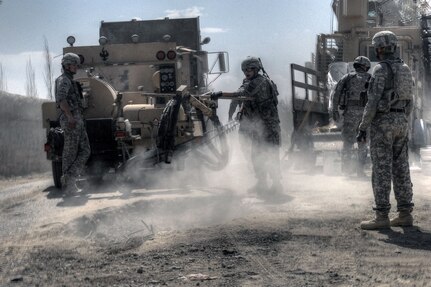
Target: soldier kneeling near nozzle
x=260, y=115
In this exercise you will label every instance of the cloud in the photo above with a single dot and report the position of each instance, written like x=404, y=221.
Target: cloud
x=185, y=13
x=213, y=30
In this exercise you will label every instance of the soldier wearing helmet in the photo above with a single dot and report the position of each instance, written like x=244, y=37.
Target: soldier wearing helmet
x=260, y=121
x=387, y=111
x=76, y=148
x=251, y=63
x=350, y=97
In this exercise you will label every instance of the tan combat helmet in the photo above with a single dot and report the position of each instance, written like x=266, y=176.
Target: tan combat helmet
x=362, y=61
x=387, y=40
x=251, y=63
x=70, y=59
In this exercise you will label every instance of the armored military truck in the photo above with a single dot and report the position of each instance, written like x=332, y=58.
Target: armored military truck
x=145, y=92
x=358, y=21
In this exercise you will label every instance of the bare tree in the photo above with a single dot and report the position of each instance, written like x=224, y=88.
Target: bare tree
x=30, y=86
x=48, y=70
x=3, y=82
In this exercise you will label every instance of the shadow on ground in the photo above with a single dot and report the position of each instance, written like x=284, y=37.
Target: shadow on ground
x=409, y=237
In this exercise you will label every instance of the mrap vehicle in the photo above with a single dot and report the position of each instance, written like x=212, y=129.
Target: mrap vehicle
x=358, y=21
x=145, y=93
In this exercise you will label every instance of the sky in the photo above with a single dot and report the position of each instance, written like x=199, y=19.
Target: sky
x=280, y=32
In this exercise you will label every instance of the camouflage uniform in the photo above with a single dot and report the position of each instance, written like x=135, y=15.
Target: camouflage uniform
x=76, y=150
x=350, y=96
x=389, y=134
x=260, y=119
x=245, y=125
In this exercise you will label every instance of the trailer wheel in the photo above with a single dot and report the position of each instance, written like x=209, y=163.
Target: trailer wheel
x=213, y=150
x=57, y=172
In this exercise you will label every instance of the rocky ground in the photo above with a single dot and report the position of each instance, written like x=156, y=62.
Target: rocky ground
x=209, y=235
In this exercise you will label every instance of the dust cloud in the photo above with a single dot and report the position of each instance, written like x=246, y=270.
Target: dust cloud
x=187, y=194
x=182, y=195
x=191, y=192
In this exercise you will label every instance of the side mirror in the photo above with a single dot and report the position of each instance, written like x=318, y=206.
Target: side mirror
x=220, y=62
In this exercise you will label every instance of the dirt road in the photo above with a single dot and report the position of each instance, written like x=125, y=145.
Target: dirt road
x=208, y=232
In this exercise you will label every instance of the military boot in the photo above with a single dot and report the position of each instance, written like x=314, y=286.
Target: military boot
x=63, y=180
x=168, y=156
x=68, y=185
x=403, y=219
x=380, y=222
x=259, y=188
x=276, y=188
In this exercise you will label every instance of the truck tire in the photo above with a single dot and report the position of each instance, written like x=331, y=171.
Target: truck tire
x=57, y=172
x=167, y=125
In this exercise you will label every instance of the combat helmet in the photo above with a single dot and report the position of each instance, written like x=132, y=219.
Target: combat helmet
x=362, y=61
x=70, y=59
x=387, y=40
x=251, y=63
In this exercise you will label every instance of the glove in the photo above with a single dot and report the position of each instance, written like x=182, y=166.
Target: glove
x=361, y=136
x=216, y=95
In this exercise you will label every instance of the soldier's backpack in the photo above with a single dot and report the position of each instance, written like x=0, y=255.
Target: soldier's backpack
x=273, y=86
x=401, y=83
x=363, y=94
x=273, y=89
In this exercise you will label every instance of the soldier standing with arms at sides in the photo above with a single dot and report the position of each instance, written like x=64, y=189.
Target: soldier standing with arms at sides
x=260, y=116
x=351, y=96
x=76, y=150
x=389, y=105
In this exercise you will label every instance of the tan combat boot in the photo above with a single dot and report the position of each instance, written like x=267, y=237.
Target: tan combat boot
x=380, y=222
x=403, y=219
x=259, y=188
x=64, y=179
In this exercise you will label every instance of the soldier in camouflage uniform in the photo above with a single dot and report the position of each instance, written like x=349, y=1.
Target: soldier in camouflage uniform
x=350, y=96
x=76, y=150
x=386, y=113
x=261, y=121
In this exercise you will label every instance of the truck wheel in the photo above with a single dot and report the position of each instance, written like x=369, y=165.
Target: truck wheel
x=57, y=172
x=167, y=126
